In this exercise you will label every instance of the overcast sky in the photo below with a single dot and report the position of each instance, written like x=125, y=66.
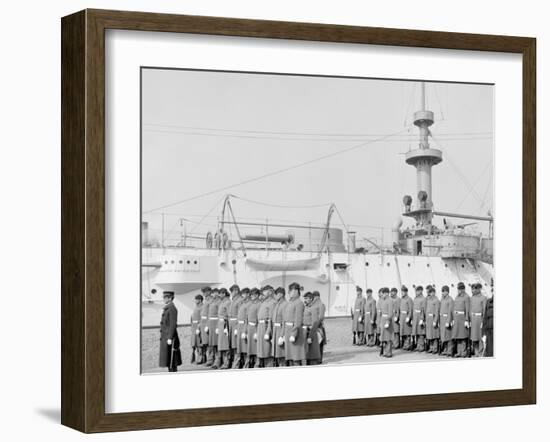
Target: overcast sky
x=205, y=131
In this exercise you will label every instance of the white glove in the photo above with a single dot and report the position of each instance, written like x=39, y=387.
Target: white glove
x=243, y=336
x=266, y=337
x=235, y=332
x=421, y=322
x=466, y=324
x=484, y=339
x=309, y=340
x=387, y=325
x=197, y=332
x=217, y=331
x=169, y=342
x=395, y=318
x=292, y=339
x=281, y=341
x=255, y=336
x=206, y=329
x=447, y=325
x=435, y=324
x=225, y=331
x=360, y=319
x=408, y=319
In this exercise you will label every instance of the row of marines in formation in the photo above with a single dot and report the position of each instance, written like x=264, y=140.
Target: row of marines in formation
x=459, y=327
x=255, y=328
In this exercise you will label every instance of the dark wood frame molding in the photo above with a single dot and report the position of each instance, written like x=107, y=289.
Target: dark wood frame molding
x=83, y=217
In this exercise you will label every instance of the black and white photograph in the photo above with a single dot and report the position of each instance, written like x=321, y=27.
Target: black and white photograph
x=292, y=220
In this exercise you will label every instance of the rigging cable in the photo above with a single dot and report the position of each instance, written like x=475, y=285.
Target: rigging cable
x=277, y=172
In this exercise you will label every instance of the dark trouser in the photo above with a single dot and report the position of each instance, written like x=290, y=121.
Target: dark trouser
x=386, y=349
x=172, y=369
x=265, y=362
x=420, y=343
x=279, y=362
x=293, y=363
x=238, y=360
x=406, y=342
x=396, y=340
x=461, y=348
x=489, y=343
x=447, y=348
x=476, y=348
x=250, y=361
x=433, y=346
x=211, y=354
x=313, y=362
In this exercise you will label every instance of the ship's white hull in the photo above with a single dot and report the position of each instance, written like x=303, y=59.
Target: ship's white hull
x=334, y=275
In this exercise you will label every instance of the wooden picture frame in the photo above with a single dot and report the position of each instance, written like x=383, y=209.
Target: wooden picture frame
x=83, y=219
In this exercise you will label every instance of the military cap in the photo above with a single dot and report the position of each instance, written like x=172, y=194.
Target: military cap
x=280, y=290
x=404, y=288
x=477, y=285
x=295, y=286
x=267, y=287
x=206, y=289
x=393, y=290
x=460, y=285
x=369, y=290
x=169, y=294
x=200, y=297
x=224, y=292
x=430, y=289
x=245, y=290
x=358, y=289
x=419, y=287
x=316, y=294
x=233, y=287
x=308, y=295
x=385, y=290
x=254, y=291
x=445, y=288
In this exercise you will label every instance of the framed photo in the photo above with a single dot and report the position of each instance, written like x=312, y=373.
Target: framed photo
x=267, y=220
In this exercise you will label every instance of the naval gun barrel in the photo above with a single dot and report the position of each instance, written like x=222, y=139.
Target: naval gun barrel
x=459, y=215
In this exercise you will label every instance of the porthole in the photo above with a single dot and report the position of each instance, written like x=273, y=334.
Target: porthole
x=367, y=264
x=188, y=262
x=446, y=265
x=388, y=264
x=172, y=262
x=165, y=262
x=409, y=264
x=462, y=265
x=428, y=265
x=181, y=262
x=195, y=262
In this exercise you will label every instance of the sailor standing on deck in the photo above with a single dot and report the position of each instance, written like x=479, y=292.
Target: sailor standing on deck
x=240, y=351
x=358, y=317
x=294, y=334
x=207, y=293
x=445, y=321
x=278, y=337
x=265, y=328
x=252, y=328
x=170, y=353
x=477, y=309
x=405, y=318
x=318, y=304
x=396, y=304
x=212, y=325
x=419, y=319
x=370, y=319
x=386, y=323
x=195, y=335
x=461, y=323
x=222, y=330
x=432, y=321
x=236, y=300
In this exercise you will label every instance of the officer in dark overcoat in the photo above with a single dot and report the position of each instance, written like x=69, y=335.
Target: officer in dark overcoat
x=195, y=333
x=169, y=353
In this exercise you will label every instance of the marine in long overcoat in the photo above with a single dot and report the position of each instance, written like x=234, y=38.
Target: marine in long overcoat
x=195, y=332
x=461, y=321
x=358, y=313
x=478, y=304
x=236, y=301
x=419, y=319
x=277, y=320
x=445, y=321
x=242, y=316
x=311, y=323
x=205, y=330
x=252, y=324
x=265, y=327
x=405, y=318
x=224, y=336
x=169, y=351
x=370, y=314
x=293, y=316
x=432, y=316
x=396, y=303
x=213, y=319
x=321, y=310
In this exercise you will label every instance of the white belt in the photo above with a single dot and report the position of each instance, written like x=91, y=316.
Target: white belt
x=232, y=319
x=357, y=309
x=290, y=324
x=460, y=312
x=476, y=314
x=277, y=324
x=221, y=318
x=241, y=322
x=385, y=316
x=367, y=313
x=404, y=312
x=251, y=323
x=305, y=327
x=204, y=317
x=418, y=311
x=431, y=314
x=195, y=322
x=444, y=315
x=263, y=321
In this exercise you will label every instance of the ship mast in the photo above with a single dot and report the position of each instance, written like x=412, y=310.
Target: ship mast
x=422, y=158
